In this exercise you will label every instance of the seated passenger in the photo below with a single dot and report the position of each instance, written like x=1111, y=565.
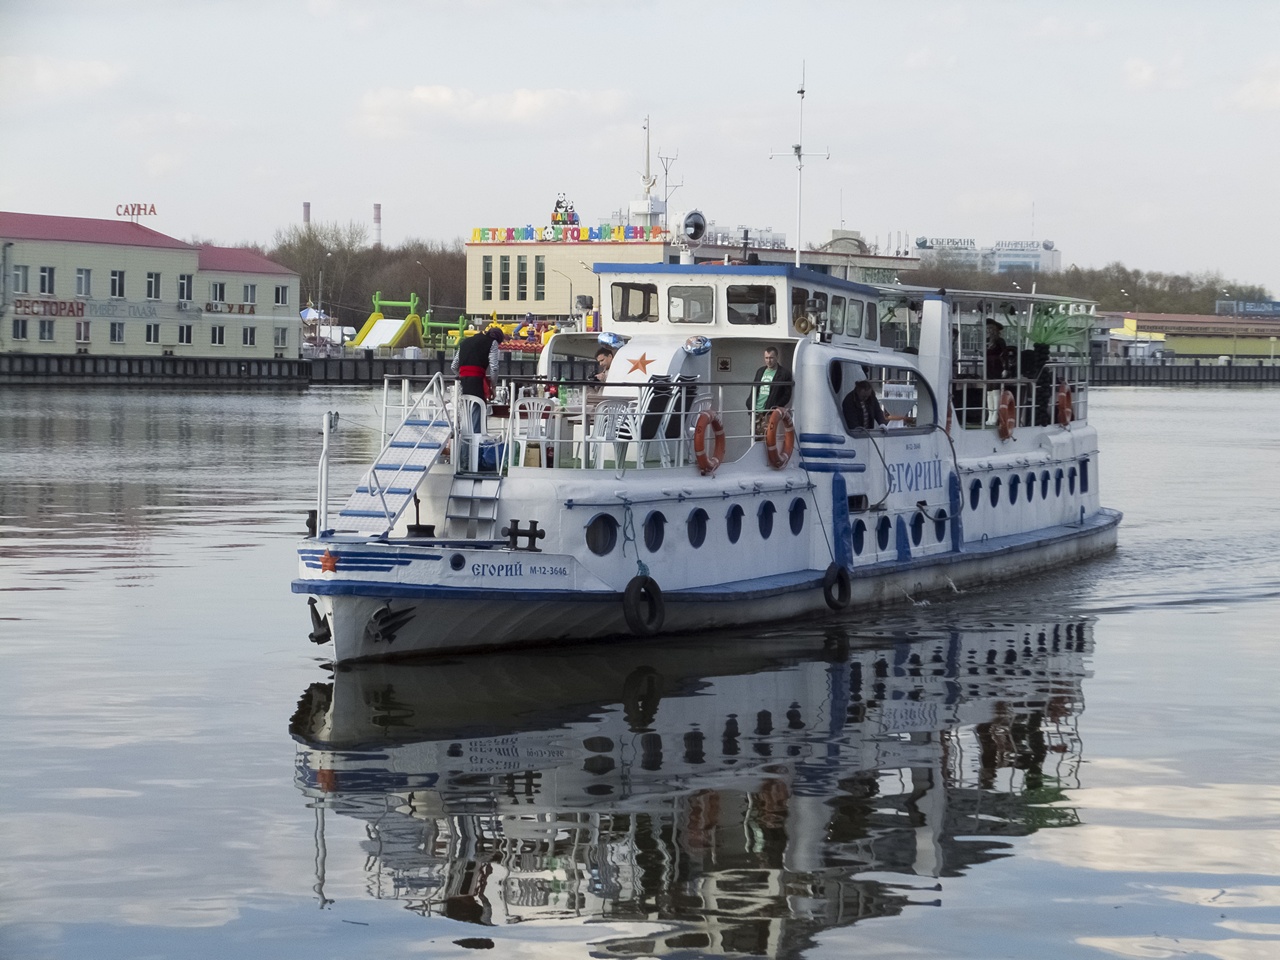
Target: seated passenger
x=861, y=409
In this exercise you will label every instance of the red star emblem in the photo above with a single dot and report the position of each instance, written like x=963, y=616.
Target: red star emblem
x=641, y=363
x=329, y=562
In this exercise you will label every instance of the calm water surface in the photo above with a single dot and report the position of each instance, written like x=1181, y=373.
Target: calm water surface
x=1080, y=765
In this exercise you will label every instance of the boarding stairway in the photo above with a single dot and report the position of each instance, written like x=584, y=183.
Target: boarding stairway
x=412, y=450
x=472, y=510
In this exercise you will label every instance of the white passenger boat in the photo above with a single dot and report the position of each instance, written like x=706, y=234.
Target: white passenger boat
x=663, y=502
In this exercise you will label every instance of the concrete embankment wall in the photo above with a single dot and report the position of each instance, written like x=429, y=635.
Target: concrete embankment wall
x=81, y=369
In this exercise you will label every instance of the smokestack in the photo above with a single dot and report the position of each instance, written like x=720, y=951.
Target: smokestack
x=377, y=226
x=306, y=212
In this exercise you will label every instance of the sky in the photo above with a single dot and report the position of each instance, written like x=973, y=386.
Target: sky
x=1144, y=131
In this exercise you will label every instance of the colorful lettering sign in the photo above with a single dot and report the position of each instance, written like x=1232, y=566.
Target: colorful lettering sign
x=568, y=233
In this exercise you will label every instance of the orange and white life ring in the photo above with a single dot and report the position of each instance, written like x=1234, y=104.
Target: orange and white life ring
x=707, y=462
x=1066, y=405
x=779, y=437
x=1006, y=415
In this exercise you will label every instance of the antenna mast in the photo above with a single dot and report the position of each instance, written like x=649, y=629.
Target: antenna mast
x=798, y=150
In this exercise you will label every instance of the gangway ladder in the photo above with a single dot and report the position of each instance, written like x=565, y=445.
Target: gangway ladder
x=410, y=453
x=472, y=510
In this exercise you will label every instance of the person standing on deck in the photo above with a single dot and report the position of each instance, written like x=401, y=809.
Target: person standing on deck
x=774, y=389
x=476, y=364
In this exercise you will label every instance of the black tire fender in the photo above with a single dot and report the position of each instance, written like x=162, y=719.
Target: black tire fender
x=642, y=606
x=837, y=588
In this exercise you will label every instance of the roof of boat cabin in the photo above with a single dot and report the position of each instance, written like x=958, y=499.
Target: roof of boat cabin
x=716, y=269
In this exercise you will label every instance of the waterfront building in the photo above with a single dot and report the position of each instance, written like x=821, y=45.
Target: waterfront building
x=75, y=285
x=1040, y=256
x=1191, y=335
x=545, y=271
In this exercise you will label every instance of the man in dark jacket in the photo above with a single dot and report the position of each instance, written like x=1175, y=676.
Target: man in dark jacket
x=773, y=390
x=861, y=409
x=476, y=362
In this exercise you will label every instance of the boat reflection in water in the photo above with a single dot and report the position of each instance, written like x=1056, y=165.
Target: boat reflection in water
x=736, y=795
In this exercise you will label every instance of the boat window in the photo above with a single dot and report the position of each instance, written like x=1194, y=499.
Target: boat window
x=799, y=297
x=764, y=517
x=602, y=534
x=859, y=536
x=901, y=395
x=940, y=525
x=872, y=328
x=752, y=303
x=883, y=528
x=635, y=302
x=733, y=523
x=853, y=319
x=836, y=315
x=654, y=528
x=697, y=525
x=796, y=515
x=691, y=304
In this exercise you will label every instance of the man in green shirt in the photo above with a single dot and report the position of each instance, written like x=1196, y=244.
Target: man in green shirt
x=774, y=389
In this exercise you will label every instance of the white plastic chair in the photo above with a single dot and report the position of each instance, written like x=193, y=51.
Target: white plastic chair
x=529, y=420
x=471, y=428
x=609, y=420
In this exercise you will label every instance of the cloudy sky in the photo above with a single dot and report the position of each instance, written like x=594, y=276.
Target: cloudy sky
x=1145, y=131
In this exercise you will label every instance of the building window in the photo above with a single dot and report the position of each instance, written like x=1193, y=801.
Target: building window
x=20, y=279
x=153, y=333
x=82, y=331
x=250, y=293
x=539, y=278
x=117, y=284
x=185, y=286
x=83, y=287
x=486, y=278
x=282, y=295
x=153, y=286
x=19, y=328
x=46, y=329
x=217, y=292
x=249, y=336
x=117, y=331
x=504, y=278
x=522, y=278
x=184, y=333
x=46, y=280
x=282, y=336
x=217, y=335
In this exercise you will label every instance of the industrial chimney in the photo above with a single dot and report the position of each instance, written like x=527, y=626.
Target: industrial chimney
x=306, y=213
x=377, y=226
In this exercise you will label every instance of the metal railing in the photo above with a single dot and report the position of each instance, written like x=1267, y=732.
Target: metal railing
x=975, y=402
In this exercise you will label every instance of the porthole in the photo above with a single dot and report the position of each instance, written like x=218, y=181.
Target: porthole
x=1057, y=482
x=995, y=491
x=940, y=525
x=1031, y=487
x=733, y=523
x=697, y=526
x=917, y=528
x=859, y=537
x=1044, y=484
x=795, y=514
x=883, y=529
x=457, y=561
x=1014, y=482
x=1084, y=475
x=655, y=527
x=764, y=517
x=1071, y=480
x=602, y=534
x=975, y=494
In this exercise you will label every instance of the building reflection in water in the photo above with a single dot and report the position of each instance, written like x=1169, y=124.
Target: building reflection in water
x=740, y=795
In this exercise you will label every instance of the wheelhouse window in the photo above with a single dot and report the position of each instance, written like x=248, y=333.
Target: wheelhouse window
x=691, y=304
x=635, y=302
x=872, y=329
x=899, y=398
x=835, y=315
x=853, y=318
x=752, y=303
x=117, y=284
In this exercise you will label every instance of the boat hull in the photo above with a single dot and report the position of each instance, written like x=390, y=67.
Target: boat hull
x=371, y=619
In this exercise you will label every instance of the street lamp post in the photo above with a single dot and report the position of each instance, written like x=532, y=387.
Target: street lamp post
x=428, y=273
x=570, y=279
